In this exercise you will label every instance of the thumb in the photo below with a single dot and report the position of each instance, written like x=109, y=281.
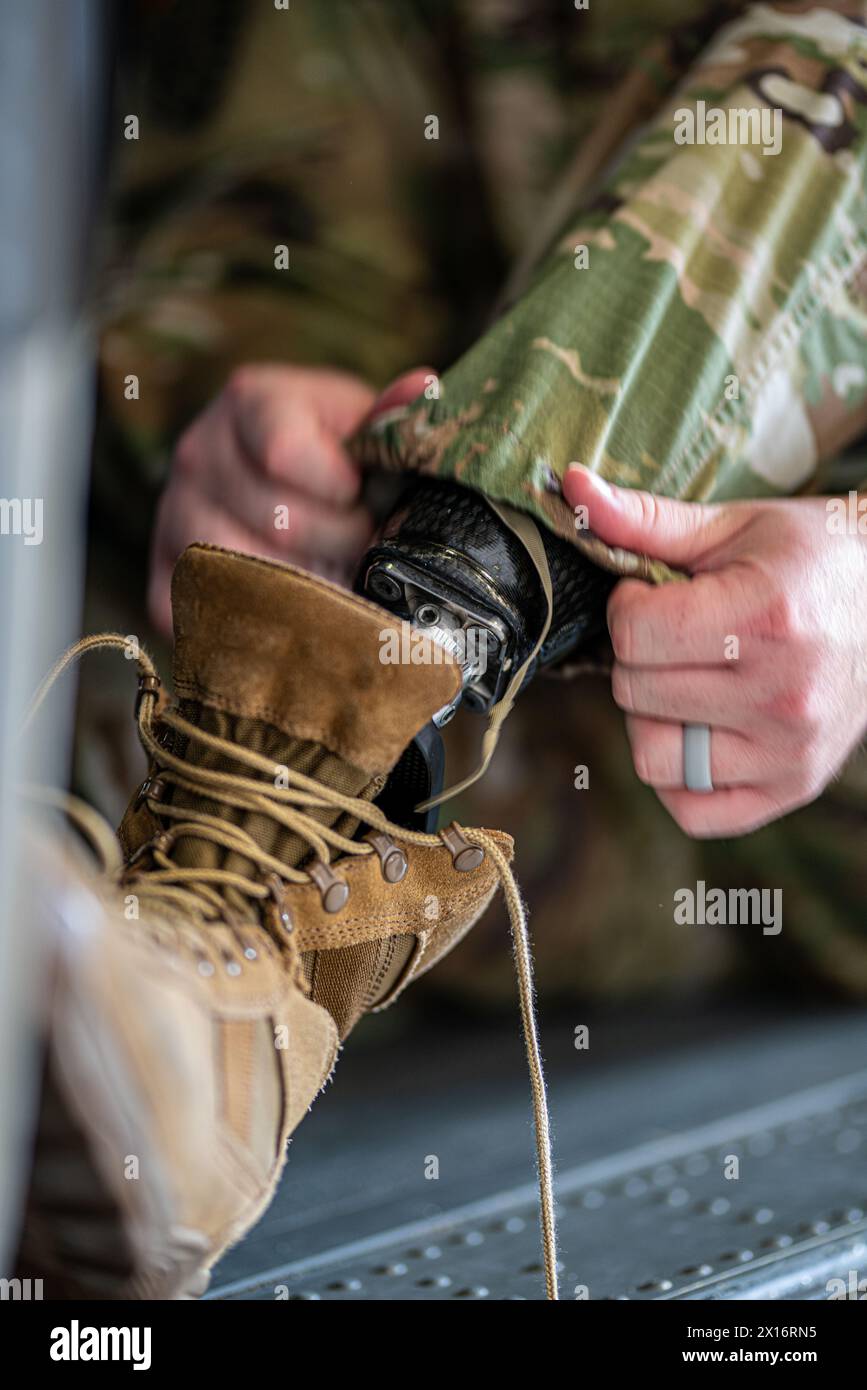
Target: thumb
x=400, y=392
x=679, y=532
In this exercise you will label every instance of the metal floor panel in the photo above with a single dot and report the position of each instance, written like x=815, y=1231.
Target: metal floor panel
x=645, y=1213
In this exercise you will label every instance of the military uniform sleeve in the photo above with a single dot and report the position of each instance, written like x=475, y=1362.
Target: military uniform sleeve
x=699, y=327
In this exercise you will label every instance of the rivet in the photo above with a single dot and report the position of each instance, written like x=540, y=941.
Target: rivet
x=799, y=1131
x=848, y=1141
x=664, y=1175
x=761, y=1144
x=696, y=1164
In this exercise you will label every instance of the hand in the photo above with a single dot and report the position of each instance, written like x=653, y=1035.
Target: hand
x=268, y=451
x=767, y=643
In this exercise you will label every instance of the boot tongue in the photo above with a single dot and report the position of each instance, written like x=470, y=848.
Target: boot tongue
x=289, y=666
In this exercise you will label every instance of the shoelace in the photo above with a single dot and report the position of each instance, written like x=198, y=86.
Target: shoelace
x=196, y=890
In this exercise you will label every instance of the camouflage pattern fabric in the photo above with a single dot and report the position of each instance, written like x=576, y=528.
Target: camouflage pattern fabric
x=306, y=128
x=700, y=328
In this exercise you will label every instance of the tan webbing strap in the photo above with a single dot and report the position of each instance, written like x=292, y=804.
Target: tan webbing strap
x=527, y=532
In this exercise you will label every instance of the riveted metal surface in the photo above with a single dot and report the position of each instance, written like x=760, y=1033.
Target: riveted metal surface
x=658, y=1221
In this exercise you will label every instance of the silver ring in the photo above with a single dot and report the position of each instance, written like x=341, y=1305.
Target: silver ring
x=696, y=758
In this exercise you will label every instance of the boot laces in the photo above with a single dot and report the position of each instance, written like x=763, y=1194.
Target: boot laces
x=198, y=892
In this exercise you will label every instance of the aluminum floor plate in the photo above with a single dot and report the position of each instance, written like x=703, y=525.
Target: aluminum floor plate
x=646, y=1212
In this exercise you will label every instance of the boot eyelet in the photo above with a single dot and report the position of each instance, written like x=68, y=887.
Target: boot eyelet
x=334, y=891
x=250, y=953
x=152, y=789
x=392, y=858
x=148, y=684
x=233, y=968
x=465, y=856
x=162, y=842
x=205, y=967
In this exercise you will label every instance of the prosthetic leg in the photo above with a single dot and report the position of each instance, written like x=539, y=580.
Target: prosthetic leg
x=503, y=597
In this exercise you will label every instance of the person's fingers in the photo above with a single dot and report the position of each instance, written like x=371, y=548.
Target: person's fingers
x=731, y=811
x=402, y=391
x=206, y=436
x=291, y=435
x=657, y=754
x=289, y=520
x=698, y=623
x=326, y=533
x=683, y=694
x=185, y=516
x=339, y=399
x=682, y=533
x=227, y=478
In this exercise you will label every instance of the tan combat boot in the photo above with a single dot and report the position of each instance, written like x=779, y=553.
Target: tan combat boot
x=266, y=903
x=135, y=1170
